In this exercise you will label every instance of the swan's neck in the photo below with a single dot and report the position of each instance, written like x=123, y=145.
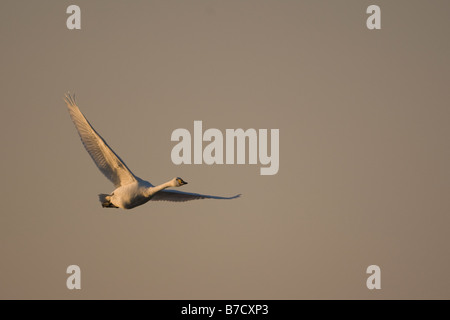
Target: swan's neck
x=152, y=190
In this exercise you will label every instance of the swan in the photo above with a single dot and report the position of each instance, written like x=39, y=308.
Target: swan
x=131, y=191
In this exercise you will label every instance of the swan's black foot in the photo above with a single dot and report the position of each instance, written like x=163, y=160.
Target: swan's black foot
x=108, y=205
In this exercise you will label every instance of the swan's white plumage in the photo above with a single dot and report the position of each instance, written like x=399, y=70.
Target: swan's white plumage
x=131, y=191
x=173, y=195
x=104, y=157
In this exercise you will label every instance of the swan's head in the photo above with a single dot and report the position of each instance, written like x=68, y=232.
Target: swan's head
x=178, y=182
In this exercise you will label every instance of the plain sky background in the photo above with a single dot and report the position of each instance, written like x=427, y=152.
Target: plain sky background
x=364, y=149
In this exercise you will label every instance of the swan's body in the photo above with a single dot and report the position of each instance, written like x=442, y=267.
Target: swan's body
x=131, y=191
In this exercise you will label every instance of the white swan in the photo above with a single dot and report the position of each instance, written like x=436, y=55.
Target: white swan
x=131, y=191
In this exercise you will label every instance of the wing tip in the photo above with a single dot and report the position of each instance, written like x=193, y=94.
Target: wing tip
x=69, y=99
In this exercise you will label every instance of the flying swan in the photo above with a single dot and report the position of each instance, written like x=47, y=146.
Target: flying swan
x=131, y=191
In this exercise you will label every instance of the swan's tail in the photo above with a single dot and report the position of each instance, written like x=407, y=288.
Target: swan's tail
x=105, y=199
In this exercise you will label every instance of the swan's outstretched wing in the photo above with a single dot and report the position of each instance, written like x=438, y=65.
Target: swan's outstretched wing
x=104, y=157
x=172, y=195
